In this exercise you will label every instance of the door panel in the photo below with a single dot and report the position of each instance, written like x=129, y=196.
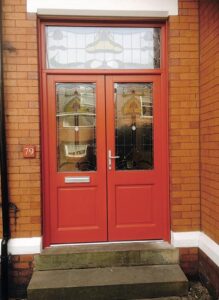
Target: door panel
x=135, y=177
x=77, y=157
x=133, y=204
x=76, y=207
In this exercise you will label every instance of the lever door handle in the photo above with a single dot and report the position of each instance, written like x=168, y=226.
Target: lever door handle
x=110, y=157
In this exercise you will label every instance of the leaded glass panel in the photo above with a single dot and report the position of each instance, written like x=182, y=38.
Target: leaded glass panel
x=134, y=126
x=102, y=48
x=76, y=126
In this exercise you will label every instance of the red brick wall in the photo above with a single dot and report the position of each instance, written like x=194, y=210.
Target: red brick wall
x=184, y=117
x=22, y=114
x=209, y=116
x=189, y=261
x=209, y=274
x=20, y=272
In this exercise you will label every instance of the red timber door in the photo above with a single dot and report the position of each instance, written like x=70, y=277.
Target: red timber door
x=136, y=189
x=106, y=158
x=77, y=158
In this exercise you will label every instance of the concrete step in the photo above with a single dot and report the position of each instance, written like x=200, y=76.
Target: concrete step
x=106, y=255
x=115, y=283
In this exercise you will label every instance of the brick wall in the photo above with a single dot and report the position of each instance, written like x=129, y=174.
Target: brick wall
x=189, y=261
x=184, y=117
x=20, y=272
x=209, y=274
x=22, y=115
x=209, y=116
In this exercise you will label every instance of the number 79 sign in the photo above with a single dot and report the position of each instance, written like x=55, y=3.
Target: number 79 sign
x=29, y=151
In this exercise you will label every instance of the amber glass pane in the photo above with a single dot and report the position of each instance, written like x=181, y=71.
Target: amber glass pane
x=76, y=126
x=134, y=126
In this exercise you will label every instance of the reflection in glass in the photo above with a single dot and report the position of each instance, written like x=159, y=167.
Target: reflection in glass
x=134, y=126
x=76, y=126
x=102, y=48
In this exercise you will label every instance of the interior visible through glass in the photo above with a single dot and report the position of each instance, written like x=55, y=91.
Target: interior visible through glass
x=69, y=47
x=134, y=126
x=76, y=126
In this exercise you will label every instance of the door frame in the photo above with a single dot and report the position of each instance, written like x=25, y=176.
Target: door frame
x=44, y=72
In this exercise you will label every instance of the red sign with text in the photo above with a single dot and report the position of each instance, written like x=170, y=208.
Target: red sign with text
x=29, y=151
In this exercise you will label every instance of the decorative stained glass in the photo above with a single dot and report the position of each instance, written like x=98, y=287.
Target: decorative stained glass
x=134, y=126
x=102, y=48
x=76, y=126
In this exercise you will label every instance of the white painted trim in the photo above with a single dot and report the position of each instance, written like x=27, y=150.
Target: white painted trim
x=126, y=8
x=209, y=247
x=19, y=246
x=185, y=239
x=102, y=13
x=197, y=239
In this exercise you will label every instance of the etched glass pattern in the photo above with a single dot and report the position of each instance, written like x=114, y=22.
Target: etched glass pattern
x=76, y=126
x=102, y=48
x=134, y=126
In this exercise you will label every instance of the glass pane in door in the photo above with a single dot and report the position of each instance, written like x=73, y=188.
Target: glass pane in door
x=134, y=126
x=76, y=126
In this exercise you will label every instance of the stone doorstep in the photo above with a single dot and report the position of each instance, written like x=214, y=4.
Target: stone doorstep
x=106, y=255
x=108, y=283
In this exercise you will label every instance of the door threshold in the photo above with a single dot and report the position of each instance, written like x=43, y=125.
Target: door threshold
x=107, y=243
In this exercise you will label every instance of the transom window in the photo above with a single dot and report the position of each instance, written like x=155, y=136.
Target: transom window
x=102, y=48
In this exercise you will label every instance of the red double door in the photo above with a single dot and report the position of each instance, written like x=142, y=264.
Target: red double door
x=105, y=158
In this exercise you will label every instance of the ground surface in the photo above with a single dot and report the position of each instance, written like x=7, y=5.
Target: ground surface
x=198, y=291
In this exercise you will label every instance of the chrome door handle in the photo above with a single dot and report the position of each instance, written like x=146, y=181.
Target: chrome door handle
x=110, y=157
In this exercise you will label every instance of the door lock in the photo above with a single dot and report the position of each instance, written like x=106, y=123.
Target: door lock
x=110, y=157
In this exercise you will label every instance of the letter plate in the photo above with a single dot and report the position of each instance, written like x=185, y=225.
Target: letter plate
x=81, y=179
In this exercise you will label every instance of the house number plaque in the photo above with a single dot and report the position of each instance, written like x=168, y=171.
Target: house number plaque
x=29, y=151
